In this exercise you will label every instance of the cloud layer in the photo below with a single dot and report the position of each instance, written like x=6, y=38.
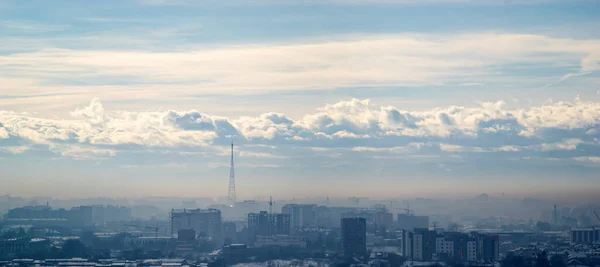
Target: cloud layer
x=365, y=61
x=567, y=130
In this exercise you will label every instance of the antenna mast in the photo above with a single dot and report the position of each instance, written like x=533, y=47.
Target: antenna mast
x=231, y=194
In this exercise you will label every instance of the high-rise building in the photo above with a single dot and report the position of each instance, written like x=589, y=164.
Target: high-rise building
x=301, y=215
x=354, y=236
x=205, y=222
x=423, y=244
x=267, y=224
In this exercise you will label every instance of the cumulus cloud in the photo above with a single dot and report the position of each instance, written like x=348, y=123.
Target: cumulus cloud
x=355, y=126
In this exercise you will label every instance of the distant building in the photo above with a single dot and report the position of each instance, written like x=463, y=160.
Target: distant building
x=384, y=219
x=81, y=216
x=280, y=241
x=205, y=222
x=585, y=235
x=44, y=216
x=329, y=217
x=102, y=214
x=267, y=224
x=301, y=215
x=148, y=242
x=354, y=236
x=410, y=222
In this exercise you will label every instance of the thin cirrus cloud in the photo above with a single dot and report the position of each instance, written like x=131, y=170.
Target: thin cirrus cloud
x=566, y=130
x=351, y=61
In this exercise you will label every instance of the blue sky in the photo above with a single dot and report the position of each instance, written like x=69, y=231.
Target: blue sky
x=432, y=98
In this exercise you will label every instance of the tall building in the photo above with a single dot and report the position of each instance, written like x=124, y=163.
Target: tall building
x=488, y=247
x=354, y=236
x=425, y=243
x=301, y=215
x=267, y=224
x=206, y=222
x=410, y=222
x=462, y=245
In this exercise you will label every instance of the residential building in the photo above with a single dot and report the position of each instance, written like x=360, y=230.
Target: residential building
x=354, y=236
x=444, y=246
x=301, y=215
x=267, y=224
x=488, y=247
x=423, y=244
x=205, y=222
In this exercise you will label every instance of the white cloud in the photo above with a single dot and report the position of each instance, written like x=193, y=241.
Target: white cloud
x=14, y=149
x=343, y=61
x=82, y=152
x=354, y=125
x=3, y=133
x=588, y=159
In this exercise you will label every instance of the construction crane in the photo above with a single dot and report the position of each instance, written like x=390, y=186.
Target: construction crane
x=146, y=227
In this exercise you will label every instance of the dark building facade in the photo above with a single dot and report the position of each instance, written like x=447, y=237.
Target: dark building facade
x=488, y=247
x=354, y=236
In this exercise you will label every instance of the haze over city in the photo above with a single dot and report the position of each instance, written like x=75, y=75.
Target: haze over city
x=305, y=133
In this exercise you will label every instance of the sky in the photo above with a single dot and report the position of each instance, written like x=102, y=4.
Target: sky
x=369, y=98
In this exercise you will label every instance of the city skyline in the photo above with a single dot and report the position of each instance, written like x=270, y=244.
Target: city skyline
x=383, y=99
